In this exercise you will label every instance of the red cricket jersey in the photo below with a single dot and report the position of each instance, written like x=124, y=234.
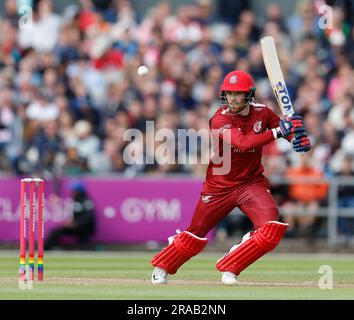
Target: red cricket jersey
x=248, y=136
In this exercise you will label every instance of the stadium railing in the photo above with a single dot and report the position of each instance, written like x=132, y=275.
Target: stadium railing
x=332, y=211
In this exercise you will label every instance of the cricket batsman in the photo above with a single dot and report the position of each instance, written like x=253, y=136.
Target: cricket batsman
x=245, y=126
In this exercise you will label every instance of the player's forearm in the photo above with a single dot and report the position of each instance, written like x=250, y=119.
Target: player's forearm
x=251, y=141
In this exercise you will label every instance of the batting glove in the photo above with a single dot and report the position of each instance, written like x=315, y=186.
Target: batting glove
x=301, y=142
x=289, y=125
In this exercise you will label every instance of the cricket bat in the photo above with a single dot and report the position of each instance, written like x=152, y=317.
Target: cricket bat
x=275, y=75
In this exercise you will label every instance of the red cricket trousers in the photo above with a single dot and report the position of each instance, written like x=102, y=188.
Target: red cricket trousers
x=253, y=198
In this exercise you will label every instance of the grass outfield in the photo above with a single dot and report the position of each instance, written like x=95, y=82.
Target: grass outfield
x=124, y=275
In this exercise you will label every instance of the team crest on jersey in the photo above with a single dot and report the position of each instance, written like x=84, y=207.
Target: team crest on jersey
x=233, y=79
x=257, y=126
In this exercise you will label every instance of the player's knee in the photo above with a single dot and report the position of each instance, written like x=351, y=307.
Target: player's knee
x=273, y=214
x=270, y=234
x=189, y=243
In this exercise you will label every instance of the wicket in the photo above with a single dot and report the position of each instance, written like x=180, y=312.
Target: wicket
x=32, y=222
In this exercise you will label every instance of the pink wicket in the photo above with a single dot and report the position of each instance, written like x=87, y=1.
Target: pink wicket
x=23, y=233
x=40, y=251
x=34, y=215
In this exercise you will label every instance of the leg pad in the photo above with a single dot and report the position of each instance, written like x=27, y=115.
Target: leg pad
x=263, y=240
x=184, y=246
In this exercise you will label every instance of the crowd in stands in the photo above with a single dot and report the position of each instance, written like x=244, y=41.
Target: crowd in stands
x=69, y=88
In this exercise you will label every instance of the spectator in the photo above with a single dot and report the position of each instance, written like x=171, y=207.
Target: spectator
x=346, y=198
x=86, y=143
x=45, y=22
x=41, y=109
x=47, y=144
x=304, y=199
x=74, y=165
x=275, y=14
x=11, y=12
x=303, y=21
x=78, y=70
x=7, y=116
x=230, y=10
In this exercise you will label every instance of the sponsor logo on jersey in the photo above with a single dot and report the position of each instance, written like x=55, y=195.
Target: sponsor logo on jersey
x=257, y=127
x=206, y=199
x=238, y=150
x=222, y=129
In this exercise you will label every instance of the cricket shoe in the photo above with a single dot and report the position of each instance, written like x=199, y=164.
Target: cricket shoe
x=229, y=278
x=159, y=276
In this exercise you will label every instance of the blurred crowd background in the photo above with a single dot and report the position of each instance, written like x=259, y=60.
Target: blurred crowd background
x=69, y=88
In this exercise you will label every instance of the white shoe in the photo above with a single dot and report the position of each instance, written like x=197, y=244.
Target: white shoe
x=159, y=276
x=229, y=278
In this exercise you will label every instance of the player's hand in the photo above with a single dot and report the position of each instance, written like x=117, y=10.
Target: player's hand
x=290, y=125
x=301, y=142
